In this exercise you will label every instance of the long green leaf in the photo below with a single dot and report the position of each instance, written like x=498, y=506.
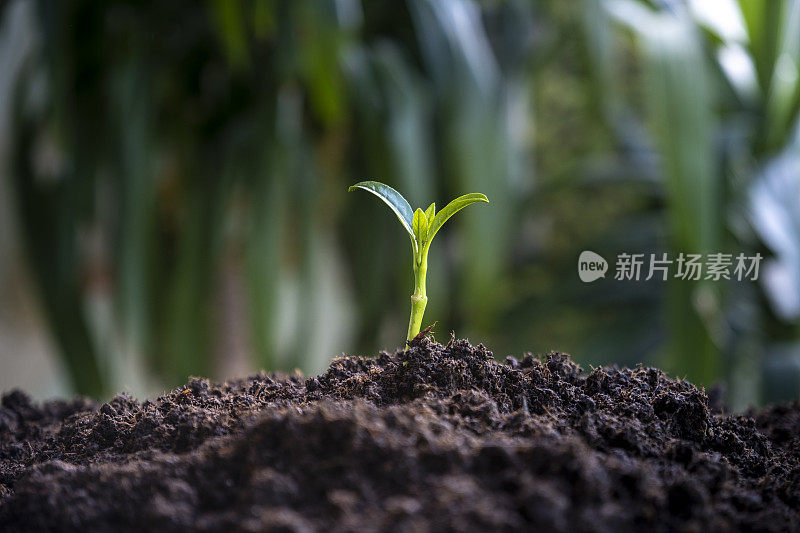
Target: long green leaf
x=680, y=101
x=393, y=199
x=451, y=209
x=763, y=21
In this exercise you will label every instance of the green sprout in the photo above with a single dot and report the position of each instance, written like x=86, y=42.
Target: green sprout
x=422, y=227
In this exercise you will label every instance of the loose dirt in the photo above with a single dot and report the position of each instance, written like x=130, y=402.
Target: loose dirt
x=434, y=438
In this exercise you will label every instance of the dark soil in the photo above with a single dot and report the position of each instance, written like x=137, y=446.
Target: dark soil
x=434, y=438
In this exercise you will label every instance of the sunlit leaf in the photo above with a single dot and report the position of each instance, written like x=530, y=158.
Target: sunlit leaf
x=420, y=226
x=451, y=209
x=430, y=212
x=775, y=215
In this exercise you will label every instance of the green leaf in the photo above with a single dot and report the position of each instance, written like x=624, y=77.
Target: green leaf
x=430, y=212
x=420, y=224
x=679, y=86
x=230, y=19
x=451, y=209
x=393, y=199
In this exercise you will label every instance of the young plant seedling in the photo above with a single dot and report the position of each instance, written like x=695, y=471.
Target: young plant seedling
x=422, y=227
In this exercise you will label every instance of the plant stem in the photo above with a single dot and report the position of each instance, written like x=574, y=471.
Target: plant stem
x=419, y=299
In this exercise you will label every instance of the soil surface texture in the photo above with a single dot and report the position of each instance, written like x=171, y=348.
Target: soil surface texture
x=433, y=438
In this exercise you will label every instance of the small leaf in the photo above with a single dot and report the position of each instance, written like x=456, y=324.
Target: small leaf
x=393, y=199
x=420, y=224
x=451, y=209
x=430, y=212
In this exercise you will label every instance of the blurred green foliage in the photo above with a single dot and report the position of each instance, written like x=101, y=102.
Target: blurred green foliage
x=161, y=148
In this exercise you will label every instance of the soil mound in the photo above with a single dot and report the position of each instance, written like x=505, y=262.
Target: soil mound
x=436, y=437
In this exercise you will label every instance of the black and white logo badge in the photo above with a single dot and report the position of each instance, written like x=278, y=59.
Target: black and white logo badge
x=591, y=266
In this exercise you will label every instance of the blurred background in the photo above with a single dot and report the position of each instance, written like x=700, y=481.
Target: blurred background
x=173, y=181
